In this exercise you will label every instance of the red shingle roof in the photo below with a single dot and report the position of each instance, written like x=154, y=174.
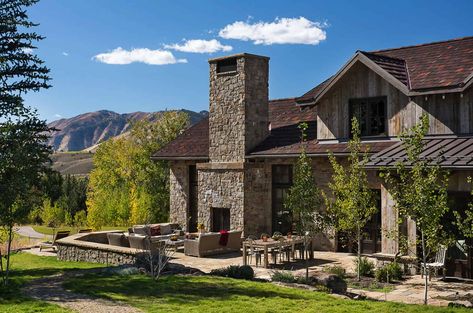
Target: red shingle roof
x=193, y=143
x=446, y=64
x=435, y=65
x=284, y=139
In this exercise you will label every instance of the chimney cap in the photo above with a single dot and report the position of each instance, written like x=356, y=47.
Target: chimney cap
x=238, y=55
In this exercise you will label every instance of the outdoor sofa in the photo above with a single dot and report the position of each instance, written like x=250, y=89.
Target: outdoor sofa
x=209, y=244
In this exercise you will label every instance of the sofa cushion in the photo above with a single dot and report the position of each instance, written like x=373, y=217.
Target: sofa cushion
x=165, y=229
x=117, y=239
x=142, y=230
x=155, y=230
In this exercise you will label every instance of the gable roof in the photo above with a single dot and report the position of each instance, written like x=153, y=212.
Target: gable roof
x=284, y=139
x=445, y=66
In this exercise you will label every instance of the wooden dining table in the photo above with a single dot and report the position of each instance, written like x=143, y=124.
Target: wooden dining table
x=271, y=243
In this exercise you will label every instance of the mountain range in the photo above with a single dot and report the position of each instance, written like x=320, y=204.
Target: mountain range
x=86, y=131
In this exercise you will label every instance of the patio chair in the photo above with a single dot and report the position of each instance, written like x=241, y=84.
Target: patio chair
x=52, y=244
x=439, y=263
x=280, y=251
x=253, y=251
x=85, y=230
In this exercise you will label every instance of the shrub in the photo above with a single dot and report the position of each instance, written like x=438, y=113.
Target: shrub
x=235, y=271
x=366, y=267
x=284, y=277
x=389, y=272
x=336, y=270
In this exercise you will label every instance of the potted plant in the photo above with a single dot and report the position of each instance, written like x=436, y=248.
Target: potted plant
x=201, y=227
x=264, y=237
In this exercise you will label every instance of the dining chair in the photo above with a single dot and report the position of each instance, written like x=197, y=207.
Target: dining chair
x=252, y=250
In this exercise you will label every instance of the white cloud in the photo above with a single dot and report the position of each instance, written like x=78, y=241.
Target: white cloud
x=65, y=54
x=281, y=31
x=143, y=55
x=57, y=115
x=199, y=46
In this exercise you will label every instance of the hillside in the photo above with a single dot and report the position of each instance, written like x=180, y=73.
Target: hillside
x=85, y=131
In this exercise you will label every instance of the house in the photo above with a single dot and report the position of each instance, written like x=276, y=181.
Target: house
x=232, y=170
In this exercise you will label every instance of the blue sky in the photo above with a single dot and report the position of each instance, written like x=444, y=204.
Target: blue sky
x=307, y=41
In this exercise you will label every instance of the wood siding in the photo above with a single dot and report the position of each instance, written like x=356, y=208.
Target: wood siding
x=449, y=113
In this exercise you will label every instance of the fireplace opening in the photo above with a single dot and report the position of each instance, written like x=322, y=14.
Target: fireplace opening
x=220, y=219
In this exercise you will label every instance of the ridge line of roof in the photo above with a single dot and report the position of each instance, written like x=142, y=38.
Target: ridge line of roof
x=423, y=44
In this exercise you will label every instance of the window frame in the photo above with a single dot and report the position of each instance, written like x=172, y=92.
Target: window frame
x=354, y=101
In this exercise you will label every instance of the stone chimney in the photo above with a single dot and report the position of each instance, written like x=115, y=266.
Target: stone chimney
x=238, y=118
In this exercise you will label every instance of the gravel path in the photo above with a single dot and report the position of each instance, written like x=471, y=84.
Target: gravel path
x=28, y=231
x=50, y=289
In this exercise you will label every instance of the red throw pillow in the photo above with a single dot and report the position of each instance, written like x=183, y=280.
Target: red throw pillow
x=155, y=230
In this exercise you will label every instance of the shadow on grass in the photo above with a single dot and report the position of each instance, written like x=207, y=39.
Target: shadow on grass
x=175, y=289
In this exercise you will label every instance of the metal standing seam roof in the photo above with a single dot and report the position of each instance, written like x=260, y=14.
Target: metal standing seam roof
x=453, y=152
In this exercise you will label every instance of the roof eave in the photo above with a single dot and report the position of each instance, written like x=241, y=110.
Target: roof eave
x=181, y=158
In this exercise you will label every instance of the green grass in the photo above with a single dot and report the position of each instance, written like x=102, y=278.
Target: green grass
x=26, y=267
x=49, y=231
x=217, y=294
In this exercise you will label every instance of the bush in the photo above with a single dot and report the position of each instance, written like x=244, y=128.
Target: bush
x=284, y=277
x=235, y=271
x=389, y=272
x=336, y=270
x=366, y=267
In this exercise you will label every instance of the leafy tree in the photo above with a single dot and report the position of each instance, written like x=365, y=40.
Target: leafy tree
x=52, y=215
x=352, y=203
x=304, y=197
x=80, y=219
x=126, y=186
x=73, y=196
x=419, y=188
x=23, y=150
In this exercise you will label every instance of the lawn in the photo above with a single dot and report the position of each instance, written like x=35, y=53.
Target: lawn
x=183, y=293
x=216, y=294
x=49, y=231
x=26, y=267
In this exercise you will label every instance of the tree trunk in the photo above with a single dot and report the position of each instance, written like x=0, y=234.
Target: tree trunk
x=7, y=269
x=424, y=261
x=358, y=236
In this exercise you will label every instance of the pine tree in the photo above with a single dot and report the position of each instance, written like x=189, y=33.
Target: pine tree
x=23, y=152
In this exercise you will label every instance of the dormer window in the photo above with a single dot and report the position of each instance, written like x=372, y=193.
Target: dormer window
x=371, y=114
x=227, y=66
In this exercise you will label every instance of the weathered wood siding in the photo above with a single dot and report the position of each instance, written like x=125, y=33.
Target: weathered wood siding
x=449, y=113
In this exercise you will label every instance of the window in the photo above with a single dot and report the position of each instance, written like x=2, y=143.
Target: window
x=227, y=66
x=220, y=219
x=371, y=114
x=281, y=182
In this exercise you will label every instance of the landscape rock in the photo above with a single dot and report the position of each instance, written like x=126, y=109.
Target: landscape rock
x=333, y=282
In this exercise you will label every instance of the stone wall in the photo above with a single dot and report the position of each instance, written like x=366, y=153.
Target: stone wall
x=179, y=192
x=258, y=209
x=83, y=254
x=221, y=188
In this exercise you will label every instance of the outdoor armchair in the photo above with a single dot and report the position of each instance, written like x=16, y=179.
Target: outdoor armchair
x=52, y=244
